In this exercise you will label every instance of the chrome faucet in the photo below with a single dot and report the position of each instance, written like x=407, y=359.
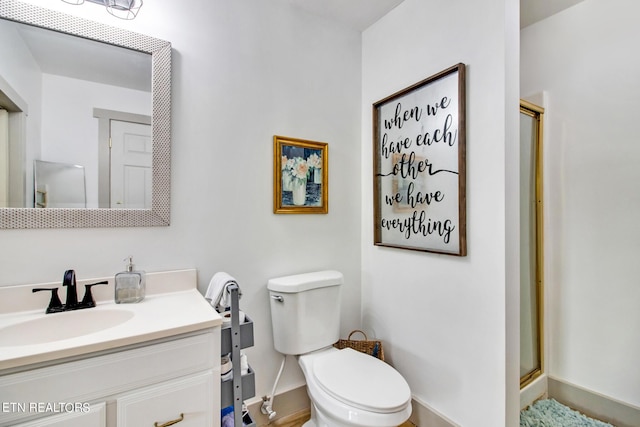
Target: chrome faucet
x=69, y=280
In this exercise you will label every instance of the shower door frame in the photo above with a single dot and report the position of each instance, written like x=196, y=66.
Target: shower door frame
x=537, y=113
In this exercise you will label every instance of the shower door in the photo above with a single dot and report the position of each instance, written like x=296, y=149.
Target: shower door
x=531, y=256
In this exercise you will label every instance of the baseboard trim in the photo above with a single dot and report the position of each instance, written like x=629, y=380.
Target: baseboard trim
x=593, y=404
x=285, y=404
x=423, y=415
x=296, y=400
x=536, y=389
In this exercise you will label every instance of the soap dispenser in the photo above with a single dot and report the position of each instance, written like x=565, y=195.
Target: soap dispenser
x=130, y=284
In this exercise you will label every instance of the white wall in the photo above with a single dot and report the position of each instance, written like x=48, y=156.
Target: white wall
x=444, y=319
x=585, y=59
x=242, y=72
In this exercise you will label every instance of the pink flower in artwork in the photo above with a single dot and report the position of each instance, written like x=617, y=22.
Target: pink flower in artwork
x=300, y=168
x=314, y=161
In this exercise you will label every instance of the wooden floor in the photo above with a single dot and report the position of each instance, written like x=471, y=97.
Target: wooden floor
x=296, y=420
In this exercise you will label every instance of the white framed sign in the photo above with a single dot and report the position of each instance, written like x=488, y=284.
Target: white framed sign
x=419, y=166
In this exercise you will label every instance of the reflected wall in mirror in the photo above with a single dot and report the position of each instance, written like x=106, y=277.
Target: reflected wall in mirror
x=531, y=244
x=58, y=109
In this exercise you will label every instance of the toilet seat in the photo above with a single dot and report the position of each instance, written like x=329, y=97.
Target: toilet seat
x=361, y=381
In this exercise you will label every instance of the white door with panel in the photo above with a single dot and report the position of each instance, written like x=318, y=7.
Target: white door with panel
x=131, y=160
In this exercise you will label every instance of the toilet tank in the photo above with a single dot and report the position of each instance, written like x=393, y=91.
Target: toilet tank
x=305, y=311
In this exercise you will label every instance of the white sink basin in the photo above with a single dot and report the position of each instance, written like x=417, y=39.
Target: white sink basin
x=62, y=326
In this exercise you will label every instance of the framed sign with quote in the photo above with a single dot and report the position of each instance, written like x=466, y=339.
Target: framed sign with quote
x=419, y=166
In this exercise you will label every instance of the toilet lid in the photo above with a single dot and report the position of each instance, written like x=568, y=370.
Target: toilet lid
x=362, y=381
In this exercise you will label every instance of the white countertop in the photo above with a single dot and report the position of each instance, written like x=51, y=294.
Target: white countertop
x=163, y=313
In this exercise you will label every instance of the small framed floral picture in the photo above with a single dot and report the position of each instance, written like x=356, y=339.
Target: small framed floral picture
x=300, y=176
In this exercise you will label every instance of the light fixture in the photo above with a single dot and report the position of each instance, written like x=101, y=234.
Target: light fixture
x=123, y=9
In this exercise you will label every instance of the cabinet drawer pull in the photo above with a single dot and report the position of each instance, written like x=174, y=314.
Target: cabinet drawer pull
x=169, y=423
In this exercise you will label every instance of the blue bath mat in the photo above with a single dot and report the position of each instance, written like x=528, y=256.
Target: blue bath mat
x=549, y=413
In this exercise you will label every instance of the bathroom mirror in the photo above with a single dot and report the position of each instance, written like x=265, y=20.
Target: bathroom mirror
x=143, y=63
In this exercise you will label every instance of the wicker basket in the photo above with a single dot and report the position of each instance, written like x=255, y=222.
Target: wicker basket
x=371, y=347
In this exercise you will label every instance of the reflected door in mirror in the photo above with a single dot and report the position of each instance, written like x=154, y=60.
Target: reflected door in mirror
x=131, y=165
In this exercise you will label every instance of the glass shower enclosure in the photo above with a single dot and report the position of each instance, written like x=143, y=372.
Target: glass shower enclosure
x=531, y=243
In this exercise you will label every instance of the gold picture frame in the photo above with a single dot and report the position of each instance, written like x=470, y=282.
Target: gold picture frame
x=300, y=176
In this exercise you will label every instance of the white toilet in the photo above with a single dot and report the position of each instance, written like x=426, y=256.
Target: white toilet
x=346, y=387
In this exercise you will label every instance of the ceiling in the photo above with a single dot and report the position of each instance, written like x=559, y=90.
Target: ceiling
x=532, y=11
x=360, y=14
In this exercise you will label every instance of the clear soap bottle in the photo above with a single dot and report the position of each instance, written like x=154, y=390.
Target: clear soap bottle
x=130, y=284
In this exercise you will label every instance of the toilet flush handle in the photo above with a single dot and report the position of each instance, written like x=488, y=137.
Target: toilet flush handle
x=277, y=298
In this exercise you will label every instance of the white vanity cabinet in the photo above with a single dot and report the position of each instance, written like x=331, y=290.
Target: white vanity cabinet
x=158, y=382
x=187, y=402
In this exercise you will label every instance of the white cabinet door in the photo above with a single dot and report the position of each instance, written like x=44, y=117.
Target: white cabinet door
x=94, y=416
x=189, y=401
